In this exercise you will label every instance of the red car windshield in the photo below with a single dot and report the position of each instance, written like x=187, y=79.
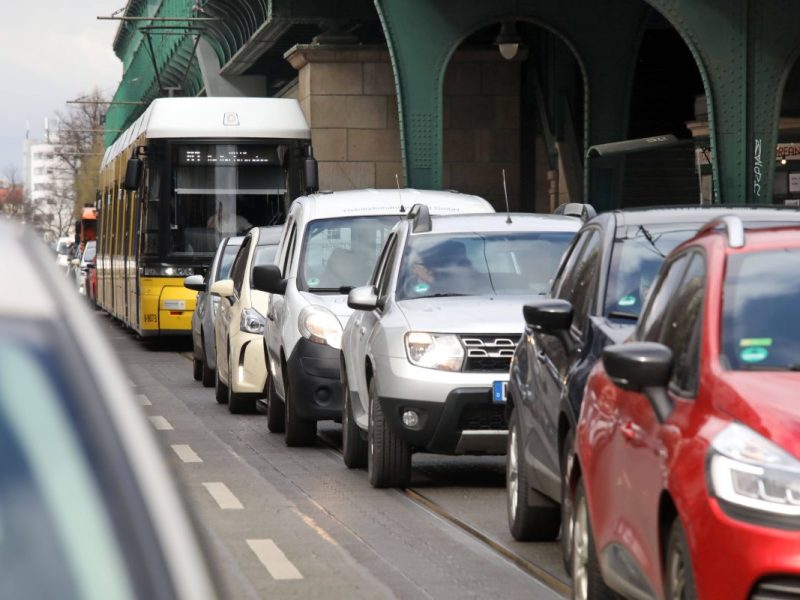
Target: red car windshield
x=760, y=328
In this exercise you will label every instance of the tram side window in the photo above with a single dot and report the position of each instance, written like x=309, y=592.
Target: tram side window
x=150, y=217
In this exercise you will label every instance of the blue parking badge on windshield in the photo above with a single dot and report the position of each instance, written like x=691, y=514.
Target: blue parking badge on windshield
x=753, y=354
x=627, y=301
x=421, y=288
x=313, y=281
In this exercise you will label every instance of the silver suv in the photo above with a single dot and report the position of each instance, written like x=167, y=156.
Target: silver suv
x=425, y=355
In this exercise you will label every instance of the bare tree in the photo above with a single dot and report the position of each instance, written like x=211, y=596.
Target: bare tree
x=80, y=145
x=12, y=197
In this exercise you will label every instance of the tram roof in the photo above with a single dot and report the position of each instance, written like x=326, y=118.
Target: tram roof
x=215, y=118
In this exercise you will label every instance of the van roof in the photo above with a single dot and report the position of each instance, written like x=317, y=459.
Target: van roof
x=498, y=223
x=326, y=205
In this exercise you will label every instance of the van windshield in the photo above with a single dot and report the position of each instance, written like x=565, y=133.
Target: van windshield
x=340, y=253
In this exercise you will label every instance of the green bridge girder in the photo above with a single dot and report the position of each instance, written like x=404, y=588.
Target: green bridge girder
x=744, y=50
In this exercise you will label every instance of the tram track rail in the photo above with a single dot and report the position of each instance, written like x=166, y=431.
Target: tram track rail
x=530, y=568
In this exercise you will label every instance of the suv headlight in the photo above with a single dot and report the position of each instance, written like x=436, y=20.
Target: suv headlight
x=252, y=321
x=319, y=325
x=434, y=350
x=754, y=475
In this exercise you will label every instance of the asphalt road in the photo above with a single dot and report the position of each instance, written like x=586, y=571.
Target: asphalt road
x=296, y=523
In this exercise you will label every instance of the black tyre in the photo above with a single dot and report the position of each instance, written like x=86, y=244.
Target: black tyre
x=587, y=580
x=679, y=575
x=567, y=456
x=388, y=457
x=275, y=409
x=207, y=374
x=220, y=389
x=197, y=369
x=297, y=432
x=531, y=515
x=354, y=446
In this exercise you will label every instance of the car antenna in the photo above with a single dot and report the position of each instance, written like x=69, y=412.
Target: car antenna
x=505, y=193
x=399, y=193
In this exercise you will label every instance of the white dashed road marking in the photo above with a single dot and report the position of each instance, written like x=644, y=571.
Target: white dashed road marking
x=186, y=454
x=161, y=423
x=223, y=496
x=274, y=559
x=143, y=400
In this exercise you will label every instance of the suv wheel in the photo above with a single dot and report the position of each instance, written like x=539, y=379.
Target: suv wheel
x=238, y=403
x=275, y=409
x=298, y=432
x=567, y=457
x=388, y=457
x=531, y=516
x=587, y=581
x=354, y=448
x=679, y=576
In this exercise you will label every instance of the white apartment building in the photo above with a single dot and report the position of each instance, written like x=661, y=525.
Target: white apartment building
x=47, y=190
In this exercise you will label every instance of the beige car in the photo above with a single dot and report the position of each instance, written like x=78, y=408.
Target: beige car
x=241, y=371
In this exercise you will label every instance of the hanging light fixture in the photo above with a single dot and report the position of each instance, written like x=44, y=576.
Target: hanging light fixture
x=508, y=40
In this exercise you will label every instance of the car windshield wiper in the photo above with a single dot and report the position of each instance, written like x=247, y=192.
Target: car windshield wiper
x=440, y=295
x=756, y=367
x=345, y=289
x=622, y=314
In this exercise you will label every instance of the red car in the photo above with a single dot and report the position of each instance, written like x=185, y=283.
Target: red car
x=687, y=473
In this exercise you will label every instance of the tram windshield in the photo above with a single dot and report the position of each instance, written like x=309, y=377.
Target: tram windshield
x=221, y=190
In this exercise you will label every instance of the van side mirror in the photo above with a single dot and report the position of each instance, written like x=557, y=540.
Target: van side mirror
x=362, y=298
x=268, y=278
x=133, y=174
x=643, y=367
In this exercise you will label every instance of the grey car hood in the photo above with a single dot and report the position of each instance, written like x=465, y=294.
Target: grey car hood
x=468, y=314
x=336, y=303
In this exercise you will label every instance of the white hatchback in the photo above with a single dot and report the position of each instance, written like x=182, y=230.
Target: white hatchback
x=239, y=324
x=329, y=245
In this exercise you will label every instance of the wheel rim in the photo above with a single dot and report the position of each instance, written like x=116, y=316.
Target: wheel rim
x=580, y=551
x=512, y=473
x=677, y=575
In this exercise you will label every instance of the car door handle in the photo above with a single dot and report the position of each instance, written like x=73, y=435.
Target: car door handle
x=541, y=356
x=362, y=330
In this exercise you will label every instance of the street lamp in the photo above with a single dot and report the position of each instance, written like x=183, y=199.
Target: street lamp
x=508, y=40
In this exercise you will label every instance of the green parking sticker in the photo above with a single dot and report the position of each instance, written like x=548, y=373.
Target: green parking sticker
x=627, y=301
x=753, y=354
x=750, y=342
x=313, y=281
x=421, y=288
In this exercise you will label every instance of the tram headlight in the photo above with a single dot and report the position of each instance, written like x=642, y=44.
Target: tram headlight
x=166, y=271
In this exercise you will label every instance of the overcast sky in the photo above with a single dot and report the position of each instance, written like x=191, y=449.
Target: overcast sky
x=51, y=51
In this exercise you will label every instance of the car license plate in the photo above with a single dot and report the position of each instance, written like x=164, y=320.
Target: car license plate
x=499, y=389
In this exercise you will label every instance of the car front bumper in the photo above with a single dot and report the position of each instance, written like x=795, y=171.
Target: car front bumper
x=248, y=369
x=455, y=410
x=313, y=371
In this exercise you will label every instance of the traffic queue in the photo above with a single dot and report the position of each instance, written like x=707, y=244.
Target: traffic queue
x=635, y=367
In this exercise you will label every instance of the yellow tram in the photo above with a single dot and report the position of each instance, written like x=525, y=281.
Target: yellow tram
x=186, y=174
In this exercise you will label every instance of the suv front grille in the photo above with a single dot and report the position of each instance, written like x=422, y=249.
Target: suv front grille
x=482, y=416
x=777, y=588
x=489, y=352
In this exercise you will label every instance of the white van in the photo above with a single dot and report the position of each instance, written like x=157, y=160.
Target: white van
x=330, y=244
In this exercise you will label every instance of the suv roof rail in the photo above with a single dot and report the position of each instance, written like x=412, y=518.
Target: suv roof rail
x=420, y=217
x=576, y=209
x=733, y=227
